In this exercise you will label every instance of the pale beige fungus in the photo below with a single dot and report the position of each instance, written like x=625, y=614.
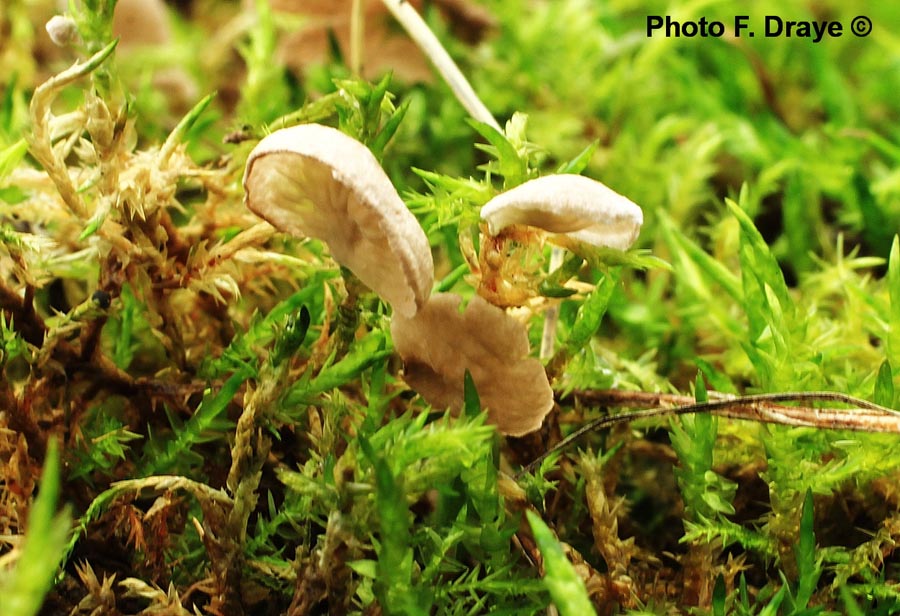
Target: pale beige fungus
x=440, y=343
x=315, y=181
x=574, y=206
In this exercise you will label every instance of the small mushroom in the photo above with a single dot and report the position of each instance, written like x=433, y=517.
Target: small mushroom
x=315, y=181
x=441, y=342
x=576, y=210
x=63, y=31
x=572, y=206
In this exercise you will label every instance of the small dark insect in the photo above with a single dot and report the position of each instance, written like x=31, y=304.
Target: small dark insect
x=101, y=299
x=244, y=133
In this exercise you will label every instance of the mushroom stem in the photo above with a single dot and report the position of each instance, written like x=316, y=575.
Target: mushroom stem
x=419, y=31
x=348, y=311
x=551, y=316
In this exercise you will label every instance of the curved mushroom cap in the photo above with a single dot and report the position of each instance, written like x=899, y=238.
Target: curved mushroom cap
x=579, y=207
x=440, y=343
x=313, y=180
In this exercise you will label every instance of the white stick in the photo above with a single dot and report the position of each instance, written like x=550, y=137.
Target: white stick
x=419, y=31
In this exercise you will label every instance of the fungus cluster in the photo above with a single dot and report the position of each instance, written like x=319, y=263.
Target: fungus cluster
x=315, y=181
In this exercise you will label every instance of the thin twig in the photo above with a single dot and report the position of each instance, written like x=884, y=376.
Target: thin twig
x=866, y=417
x=637, y=399
x=419, y=31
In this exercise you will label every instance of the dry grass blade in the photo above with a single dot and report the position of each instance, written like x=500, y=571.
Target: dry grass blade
x=765, y=408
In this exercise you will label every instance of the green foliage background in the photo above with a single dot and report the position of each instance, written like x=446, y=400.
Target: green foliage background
x=767, y=170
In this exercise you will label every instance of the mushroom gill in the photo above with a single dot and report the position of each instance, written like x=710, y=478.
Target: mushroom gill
x=315, y=181
x=441, y=342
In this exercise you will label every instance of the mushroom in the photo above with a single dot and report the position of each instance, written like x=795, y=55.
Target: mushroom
x=440, y=343
x=63, y=31
x=315, y=181
x=571, y=206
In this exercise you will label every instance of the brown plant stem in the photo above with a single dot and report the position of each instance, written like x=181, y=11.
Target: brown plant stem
x=248, y=454
x=866, y=417
x=348, y=311
x=40, y=141
x=22, y=421
x=88, y=360
x=517, y=504
x=21, y=313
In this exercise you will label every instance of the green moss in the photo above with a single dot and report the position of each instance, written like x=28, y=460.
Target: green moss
x=284, y=463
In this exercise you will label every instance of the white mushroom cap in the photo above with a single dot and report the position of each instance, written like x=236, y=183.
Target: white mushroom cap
x=312, y=180
x=581, y=208
x=63, y=30
x=440, y=343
